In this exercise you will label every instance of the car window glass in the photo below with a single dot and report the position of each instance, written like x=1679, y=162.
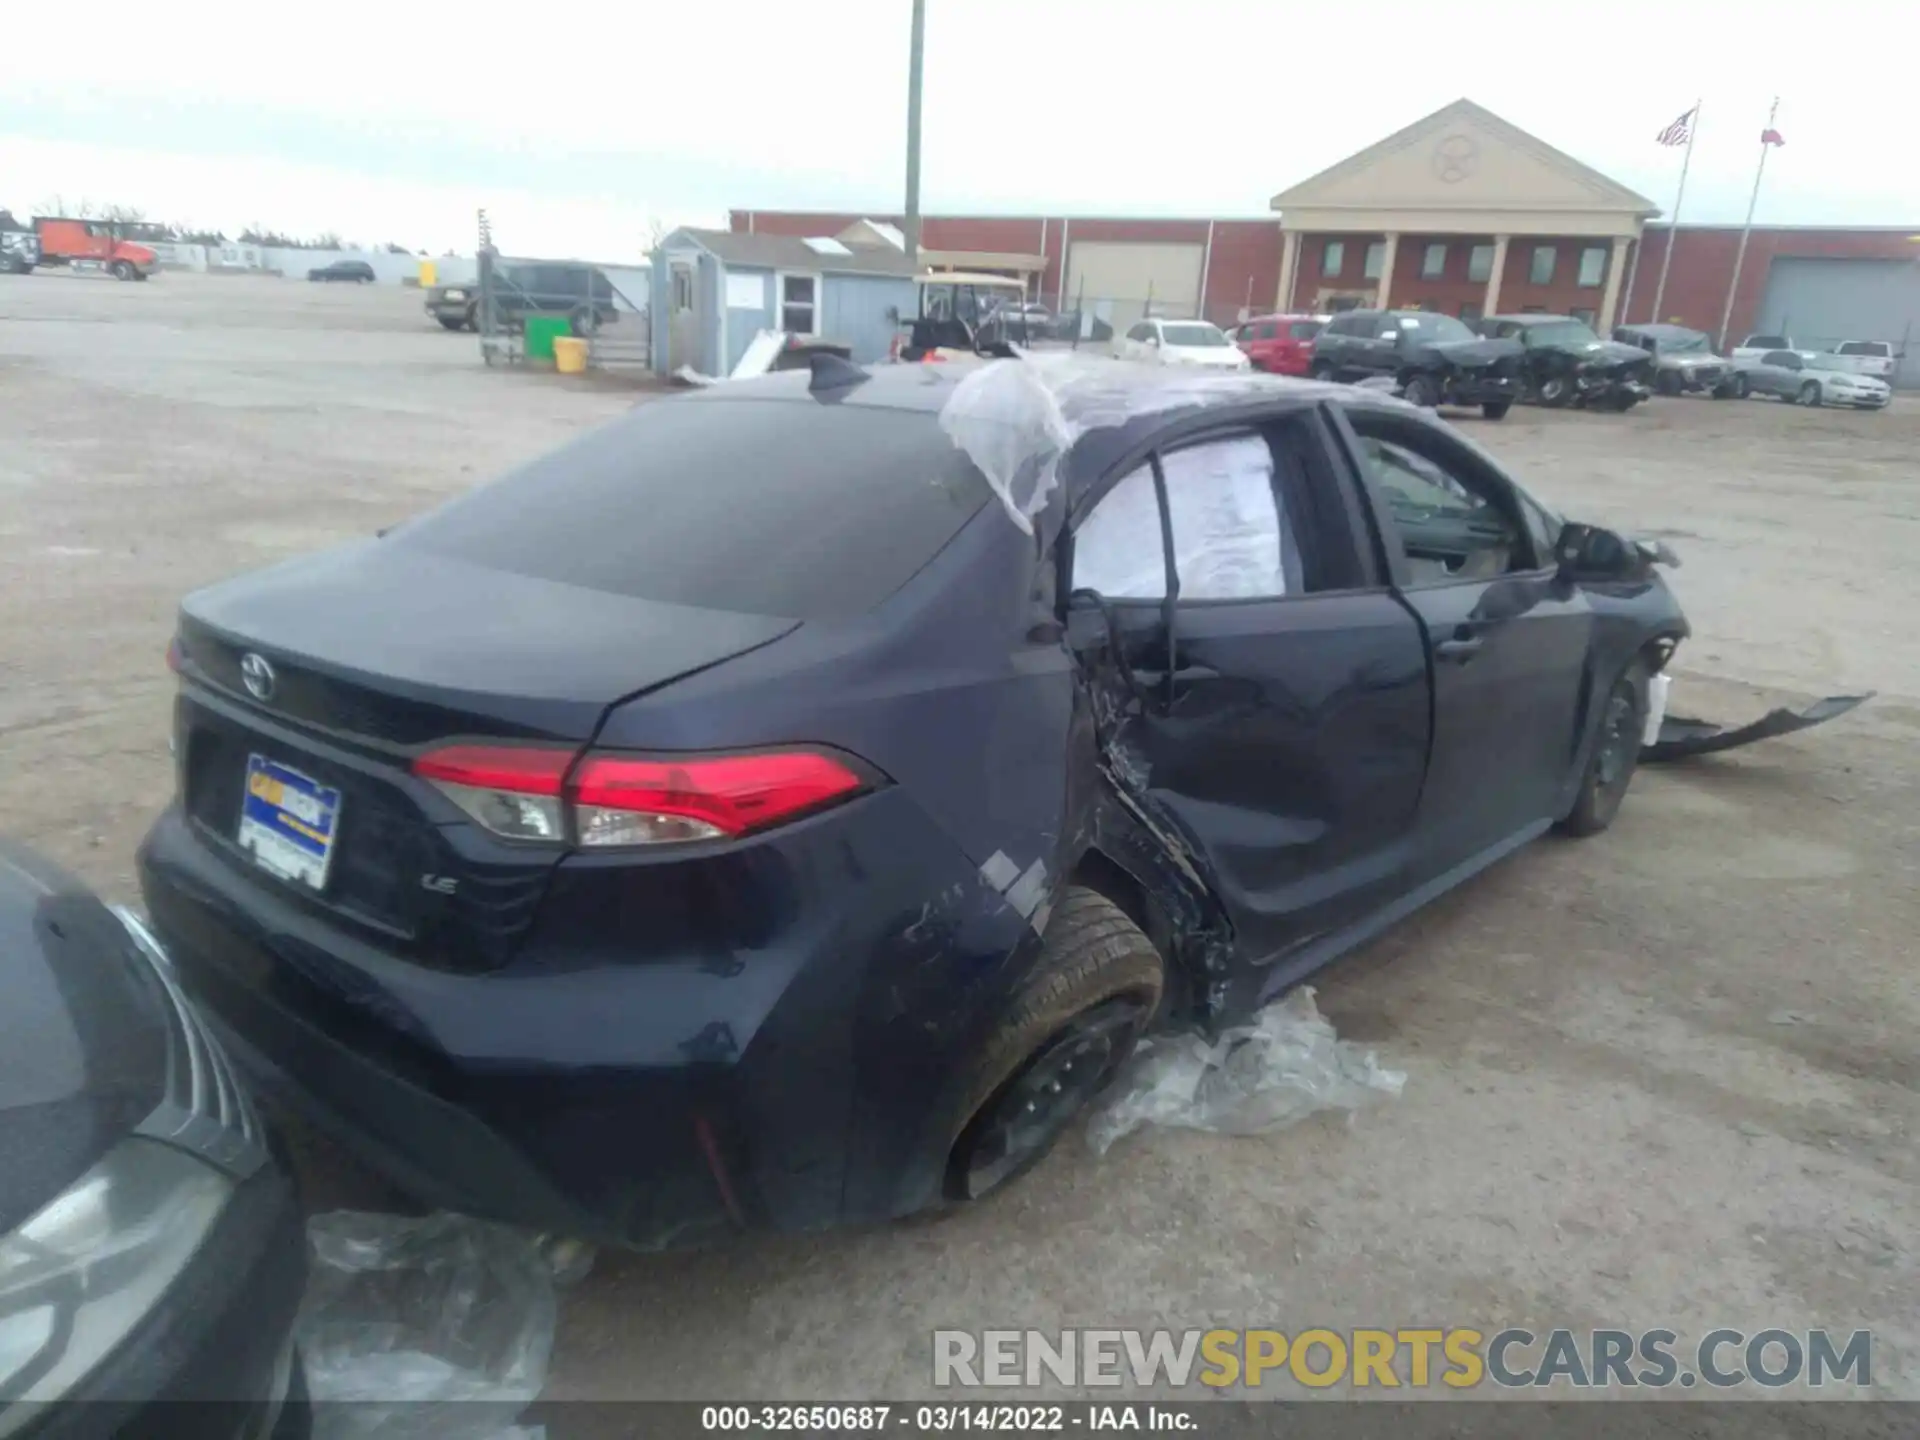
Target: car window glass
x=1230, y=541
x=1448, y=528
x=859, y=500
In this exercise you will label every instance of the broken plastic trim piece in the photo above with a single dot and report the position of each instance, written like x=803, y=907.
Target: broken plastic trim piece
x=1682, y=737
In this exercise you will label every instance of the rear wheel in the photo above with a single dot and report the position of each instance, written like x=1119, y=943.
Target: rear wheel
x=1069, y=1028
x=1496, y=409
x=1616, y=755
x=1421, y=390
x=1810, y=394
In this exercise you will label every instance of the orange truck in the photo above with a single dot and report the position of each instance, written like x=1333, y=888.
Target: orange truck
x=66, y=242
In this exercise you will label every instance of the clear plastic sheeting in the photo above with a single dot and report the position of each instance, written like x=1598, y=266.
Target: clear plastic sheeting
x=1254, y=1080
x=431, y=1328
x=1016, y=419
x=1230, y=541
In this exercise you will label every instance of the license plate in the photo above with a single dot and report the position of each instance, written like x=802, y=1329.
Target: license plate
x=288, y=821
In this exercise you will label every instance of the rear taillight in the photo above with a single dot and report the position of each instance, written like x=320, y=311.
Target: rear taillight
x=606, y=799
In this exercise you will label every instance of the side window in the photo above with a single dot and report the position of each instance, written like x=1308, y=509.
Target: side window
x=1452, y=522
x=1231, y=540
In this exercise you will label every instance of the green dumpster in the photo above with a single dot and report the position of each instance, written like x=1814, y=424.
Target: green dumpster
x=541, y=332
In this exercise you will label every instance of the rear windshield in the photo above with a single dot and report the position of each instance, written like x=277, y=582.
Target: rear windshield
x=766, y=507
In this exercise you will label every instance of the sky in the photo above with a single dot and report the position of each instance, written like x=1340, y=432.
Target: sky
x=583, y=127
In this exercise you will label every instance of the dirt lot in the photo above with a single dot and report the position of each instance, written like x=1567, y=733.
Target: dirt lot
x=1663, y=1078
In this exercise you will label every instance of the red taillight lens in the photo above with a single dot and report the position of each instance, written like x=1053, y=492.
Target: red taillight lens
x=512, y=790
x=626, y=801
x=524, y=793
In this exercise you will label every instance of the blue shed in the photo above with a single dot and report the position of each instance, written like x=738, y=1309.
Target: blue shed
x=713, y=290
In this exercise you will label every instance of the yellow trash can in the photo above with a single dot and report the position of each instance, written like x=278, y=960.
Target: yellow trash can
x=569, y=354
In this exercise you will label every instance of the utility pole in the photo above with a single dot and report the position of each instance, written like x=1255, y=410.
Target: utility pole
x=915, y=47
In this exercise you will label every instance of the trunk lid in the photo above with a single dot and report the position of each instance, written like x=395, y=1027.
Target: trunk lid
x=377, y=650
x=401, y=646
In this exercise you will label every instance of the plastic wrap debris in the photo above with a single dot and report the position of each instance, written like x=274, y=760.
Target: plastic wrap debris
x=431, y=1328
x=1254, y=1080
x=1016, y=419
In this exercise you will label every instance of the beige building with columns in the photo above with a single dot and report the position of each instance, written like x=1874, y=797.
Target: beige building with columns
x=1464, y=213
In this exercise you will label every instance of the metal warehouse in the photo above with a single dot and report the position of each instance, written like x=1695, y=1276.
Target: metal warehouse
x=1460, y=211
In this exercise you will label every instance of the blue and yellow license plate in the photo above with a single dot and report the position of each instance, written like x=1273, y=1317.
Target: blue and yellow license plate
x=288, y=822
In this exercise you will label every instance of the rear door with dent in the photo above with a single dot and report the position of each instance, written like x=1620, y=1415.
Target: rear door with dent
x=1281, y=732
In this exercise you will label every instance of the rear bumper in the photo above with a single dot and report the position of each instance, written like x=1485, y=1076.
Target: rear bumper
x=772, y=1038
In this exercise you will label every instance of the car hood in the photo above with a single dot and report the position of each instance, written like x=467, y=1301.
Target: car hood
x=83, y=1034
x=1473, y=354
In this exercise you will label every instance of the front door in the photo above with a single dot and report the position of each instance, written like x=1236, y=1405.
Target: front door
x=1288, y=744
x=1507, y=638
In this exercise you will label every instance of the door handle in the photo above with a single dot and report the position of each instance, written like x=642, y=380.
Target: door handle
x=1458, y=650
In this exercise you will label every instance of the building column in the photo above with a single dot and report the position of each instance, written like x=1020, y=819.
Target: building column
x=1289, y=269
x=1383, y=295
x=1611, y=295
x=1491, y=305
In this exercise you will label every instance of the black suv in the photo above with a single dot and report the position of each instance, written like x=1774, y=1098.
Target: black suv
x=580, y=292
x=1432, y=358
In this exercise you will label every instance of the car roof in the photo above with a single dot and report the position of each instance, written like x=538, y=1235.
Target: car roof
x=1132, y=401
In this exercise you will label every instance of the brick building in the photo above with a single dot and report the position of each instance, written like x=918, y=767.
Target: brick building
x=1459, y=211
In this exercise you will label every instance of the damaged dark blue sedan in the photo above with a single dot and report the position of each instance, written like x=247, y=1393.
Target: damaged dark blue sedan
x=786, y=805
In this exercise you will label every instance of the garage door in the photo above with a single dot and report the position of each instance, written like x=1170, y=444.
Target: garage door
x=1822, y=302
x=1118, y=278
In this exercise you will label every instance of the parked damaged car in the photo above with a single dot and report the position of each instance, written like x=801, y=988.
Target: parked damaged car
x=647, y=861
x=1567, y=364
x=152, y=1250
x=1429, y=358
x=1683, y=360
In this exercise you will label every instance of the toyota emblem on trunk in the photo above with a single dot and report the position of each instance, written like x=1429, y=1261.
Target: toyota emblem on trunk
x=257, y=675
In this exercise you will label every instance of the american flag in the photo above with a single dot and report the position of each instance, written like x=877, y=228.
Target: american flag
x=1678, y=132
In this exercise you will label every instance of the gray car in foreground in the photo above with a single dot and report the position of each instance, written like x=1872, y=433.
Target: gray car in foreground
x=1808, y=377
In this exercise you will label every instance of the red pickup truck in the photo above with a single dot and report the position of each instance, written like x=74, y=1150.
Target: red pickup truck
x=64, y=241
x=1279, y=344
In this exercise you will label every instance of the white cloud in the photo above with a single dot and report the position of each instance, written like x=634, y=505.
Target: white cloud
x=575, y=126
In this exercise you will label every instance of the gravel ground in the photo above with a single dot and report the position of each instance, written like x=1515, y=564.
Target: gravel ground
x=1663, y=1078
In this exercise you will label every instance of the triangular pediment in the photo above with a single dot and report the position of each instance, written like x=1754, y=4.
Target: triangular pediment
x=1462, y=157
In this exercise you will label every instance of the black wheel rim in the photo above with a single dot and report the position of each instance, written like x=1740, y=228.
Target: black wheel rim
x=1619, y=743
x=1022, y=1121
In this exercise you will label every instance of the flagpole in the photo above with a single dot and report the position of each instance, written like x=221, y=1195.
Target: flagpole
x=1740, y=255
x=1673, y=225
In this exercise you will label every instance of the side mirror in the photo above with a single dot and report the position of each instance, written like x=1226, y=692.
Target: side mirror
x=1587, y=552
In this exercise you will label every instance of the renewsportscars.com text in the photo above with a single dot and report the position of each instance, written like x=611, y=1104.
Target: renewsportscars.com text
x=1459, y=1358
